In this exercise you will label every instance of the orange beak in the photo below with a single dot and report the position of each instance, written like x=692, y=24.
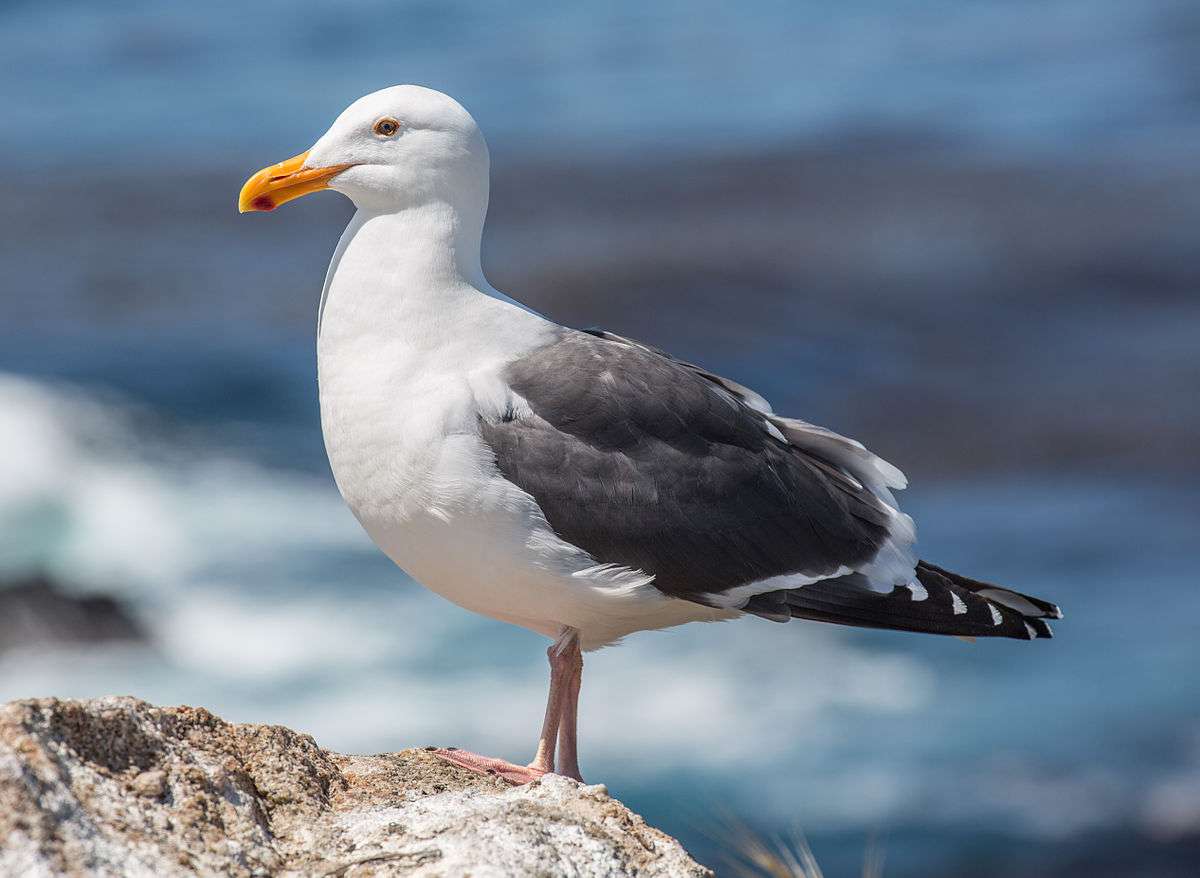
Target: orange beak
x=283, y=182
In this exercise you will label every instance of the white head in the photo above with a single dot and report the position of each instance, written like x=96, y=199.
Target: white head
x=397, y=148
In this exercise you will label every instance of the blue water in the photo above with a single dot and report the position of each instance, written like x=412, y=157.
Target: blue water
x=169, y=83
x=159, y=438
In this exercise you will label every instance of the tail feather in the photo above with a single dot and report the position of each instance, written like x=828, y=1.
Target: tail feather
x=936, y=602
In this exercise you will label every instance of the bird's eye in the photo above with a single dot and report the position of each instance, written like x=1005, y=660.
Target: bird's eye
x=386, y=127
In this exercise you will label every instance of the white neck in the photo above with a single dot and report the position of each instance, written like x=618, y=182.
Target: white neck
x=418, y=248
x=411, y=282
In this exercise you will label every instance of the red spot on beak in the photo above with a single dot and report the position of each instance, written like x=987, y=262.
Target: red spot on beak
x=263, y=202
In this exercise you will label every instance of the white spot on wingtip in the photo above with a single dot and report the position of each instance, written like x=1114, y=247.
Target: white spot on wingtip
x=957, y=604
x=918, y=591
x=996, y=617
x=1032, y=634
x=1057, y=614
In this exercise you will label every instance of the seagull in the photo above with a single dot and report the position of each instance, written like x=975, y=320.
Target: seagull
x=576, y=483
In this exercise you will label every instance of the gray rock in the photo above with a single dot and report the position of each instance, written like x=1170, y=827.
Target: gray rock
x=36, y=610
x=115, y=786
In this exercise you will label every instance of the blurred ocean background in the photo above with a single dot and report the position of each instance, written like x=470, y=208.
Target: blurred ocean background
x=966, y=233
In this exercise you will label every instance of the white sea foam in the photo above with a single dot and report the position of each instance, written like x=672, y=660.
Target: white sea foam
x=82, y=495
x=232, y=635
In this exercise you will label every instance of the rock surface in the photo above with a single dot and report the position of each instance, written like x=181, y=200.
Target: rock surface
x=115, y=786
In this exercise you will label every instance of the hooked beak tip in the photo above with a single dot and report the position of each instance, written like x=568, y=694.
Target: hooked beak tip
x=283, y=182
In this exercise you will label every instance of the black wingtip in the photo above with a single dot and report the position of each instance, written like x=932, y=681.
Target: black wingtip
x=1042, y=629
x=942, y=603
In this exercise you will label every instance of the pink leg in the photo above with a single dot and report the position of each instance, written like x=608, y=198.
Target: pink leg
x=561, y=670
x=568, y=753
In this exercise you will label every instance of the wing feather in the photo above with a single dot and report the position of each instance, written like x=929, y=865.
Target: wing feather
x=660, y=466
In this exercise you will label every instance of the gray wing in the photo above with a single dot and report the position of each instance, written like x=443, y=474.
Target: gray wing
x=654, y=464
